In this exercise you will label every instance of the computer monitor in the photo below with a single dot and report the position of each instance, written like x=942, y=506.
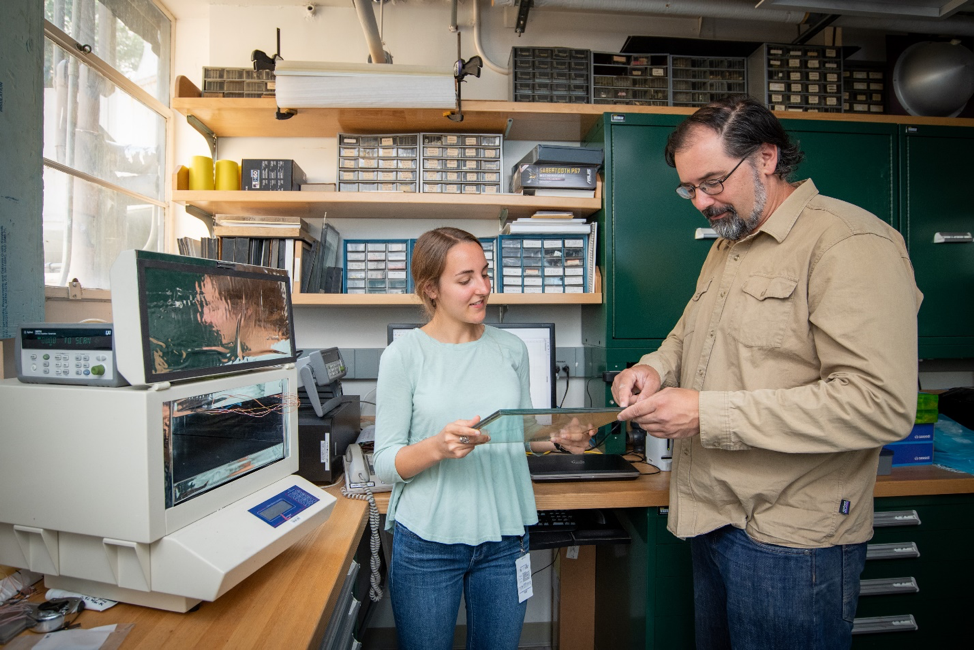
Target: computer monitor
x=540, y=341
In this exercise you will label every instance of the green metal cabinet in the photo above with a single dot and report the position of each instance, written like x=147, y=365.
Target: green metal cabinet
x=644, y=590
x=936, y=167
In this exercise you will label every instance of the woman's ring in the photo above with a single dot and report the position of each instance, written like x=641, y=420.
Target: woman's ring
x=464, y=440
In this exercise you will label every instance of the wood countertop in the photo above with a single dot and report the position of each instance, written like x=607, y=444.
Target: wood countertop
x=285, y=604
x=288, y=603
x=654, y=490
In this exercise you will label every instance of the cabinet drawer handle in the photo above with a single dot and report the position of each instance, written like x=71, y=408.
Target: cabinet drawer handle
x=952, y=238
x=887, y=586
x=888, y=518
x=876, y=624
x=705, y=233
x=892, y=550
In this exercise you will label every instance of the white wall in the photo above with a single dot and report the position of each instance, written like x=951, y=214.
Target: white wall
x=415, y=32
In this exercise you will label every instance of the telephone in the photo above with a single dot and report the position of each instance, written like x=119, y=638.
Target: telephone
x=359, y=472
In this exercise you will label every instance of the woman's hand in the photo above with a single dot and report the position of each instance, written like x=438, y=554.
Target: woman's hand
x=574, y=436
x=458, y=439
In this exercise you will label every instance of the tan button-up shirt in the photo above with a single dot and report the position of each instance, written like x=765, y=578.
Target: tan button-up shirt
x=802, y=340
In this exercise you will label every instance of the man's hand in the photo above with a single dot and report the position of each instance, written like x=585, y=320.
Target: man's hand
x=670, y=413
x=575, y=436
x=635, y=384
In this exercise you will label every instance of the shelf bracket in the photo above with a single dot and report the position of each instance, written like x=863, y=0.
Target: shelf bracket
x=507, y=128
x=501, y=312
x=502, y=217
x=202, y=215
x=212, y=140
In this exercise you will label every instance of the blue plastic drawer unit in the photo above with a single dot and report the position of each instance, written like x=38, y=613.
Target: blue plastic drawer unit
x=542, y=264
x=377, y=266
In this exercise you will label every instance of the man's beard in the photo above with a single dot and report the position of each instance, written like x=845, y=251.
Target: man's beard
x=730, y=225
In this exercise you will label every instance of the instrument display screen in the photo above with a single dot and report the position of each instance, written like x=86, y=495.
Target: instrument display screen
x=66, y=338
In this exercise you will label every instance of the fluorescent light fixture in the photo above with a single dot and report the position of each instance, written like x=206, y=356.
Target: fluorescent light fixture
x=308, y=84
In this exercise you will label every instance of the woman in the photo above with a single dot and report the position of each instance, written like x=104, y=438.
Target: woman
x=459, y=507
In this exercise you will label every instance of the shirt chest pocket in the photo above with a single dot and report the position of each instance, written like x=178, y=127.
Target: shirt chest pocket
x=766, y=307
x=693, y=308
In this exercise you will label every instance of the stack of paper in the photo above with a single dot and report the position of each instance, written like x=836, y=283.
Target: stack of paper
x=306, y=84
x=535, y=225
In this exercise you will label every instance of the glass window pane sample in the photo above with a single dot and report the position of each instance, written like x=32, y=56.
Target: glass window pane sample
x=533, y=425
x=92, y=126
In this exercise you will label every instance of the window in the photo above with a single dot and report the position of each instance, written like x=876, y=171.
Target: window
x=106, y=128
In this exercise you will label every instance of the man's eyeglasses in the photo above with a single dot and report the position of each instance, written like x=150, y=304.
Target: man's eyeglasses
x=711, y=187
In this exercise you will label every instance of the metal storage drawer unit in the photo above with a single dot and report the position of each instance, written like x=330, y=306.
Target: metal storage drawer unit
x=914, y=590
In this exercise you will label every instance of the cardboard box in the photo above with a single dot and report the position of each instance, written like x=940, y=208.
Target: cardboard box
x=546, y=176
x=271, y=175
x=919, y=433
x=911, y=453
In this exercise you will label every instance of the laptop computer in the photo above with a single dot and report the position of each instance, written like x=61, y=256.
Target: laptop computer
x=580, y=467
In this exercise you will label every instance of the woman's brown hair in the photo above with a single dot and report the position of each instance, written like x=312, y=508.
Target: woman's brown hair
x=429, y=260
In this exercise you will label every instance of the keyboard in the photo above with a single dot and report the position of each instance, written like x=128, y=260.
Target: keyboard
x=555, y=521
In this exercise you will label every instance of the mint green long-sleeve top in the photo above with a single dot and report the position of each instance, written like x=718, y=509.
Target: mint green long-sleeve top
x=424, y=385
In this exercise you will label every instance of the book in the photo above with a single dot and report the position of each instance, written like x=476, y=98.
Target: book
x=591, y=256
x=565, y=229
x=553, y=214
x=565, y=193
x=270, y=232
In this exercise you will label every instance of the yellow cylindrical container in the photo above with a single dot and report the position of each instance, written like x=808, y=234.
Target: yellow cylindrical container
x=201, y=173
x=227, y=175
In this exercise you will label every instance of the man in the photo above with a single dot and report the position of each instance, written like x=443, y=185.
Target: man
x=794, y=361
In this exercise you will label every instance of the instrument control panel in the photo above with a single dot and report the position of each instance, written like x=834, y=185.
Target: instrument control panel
x=67, y=353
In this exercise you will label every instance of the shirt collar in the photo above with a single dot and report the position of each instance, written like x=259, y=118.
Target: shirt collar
x=783, y=219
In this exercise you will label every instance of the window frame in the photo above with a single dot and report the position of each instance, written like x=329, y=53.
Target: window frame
x=76, y=49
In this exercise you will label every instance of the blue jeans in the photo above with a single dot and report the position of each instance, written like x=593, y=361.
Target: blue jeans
x=426, y=580
x=752, y=595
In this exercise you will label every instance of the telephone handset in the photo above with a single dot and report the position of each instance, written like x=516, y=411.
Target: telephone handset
x=360, y=473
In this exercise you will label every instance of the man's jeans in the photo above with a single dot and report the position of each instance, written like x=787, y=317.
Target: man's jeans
x=426, y=580
x=753, y=595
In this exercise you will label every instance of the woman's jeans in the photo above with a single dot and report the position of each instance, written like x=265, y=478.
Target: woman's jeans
x=753, y=595
x=427, y=578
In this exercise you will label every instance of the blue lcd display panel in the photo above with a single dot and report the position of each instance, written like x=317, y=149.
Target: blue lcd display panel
x=284, y=506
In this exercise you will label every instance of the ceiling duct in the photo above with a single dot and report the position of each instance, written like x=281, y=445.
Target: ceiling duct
x=896, y=17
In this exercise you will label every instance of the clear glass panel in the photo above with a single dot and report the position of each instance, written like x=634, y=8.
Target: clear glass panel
x=93, y=126
x=532, y=425
x=86, y=226
x=214, y=438
x=133, y=36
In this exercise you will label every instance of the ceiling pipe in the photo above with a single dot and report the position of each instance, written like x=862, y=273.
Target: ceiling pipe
x=956, y=25
x=476, y=42
x=367, y=17
x=729, y=9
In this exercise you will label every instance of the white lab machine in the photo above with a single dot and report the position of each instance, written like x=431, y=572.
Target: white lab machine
x=175, y=489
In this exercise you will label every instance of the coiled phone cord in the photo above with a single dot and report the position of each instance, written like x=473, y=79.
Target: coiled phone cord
x=375, y=581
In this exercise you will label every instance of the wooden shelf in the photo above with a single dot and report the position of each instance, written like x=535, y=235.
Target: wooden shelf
x=516, y=120
x=382, y=205
x=397, y=300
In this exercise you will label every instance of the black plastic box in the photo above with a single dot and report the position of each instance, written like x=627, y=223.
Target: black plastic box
x=271, y=175
x=526, y=177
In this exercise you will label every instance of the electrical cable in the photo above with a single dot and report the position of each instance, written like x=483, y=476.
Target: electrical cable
x=543, y=568
x=375, y=580
x=568, y=380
